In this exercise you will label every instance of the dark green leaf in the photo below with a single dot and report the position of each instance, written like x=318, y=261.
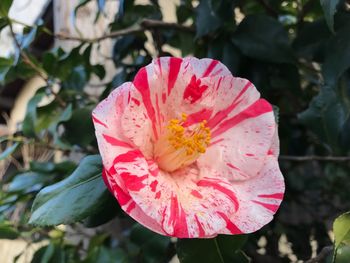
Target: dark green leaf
x=329, y=8
x=341, y=228
x=3, y=23
x=312, y=40
x=262, y=37
x=80, y=121
x=5, y=7
x=8, y=232
x=153, y=246
x=30, y=119
x=320, y=116
x=109, y=210
x=99, y=71
x=337, y=59
x=29, y=181
x=5, y=66
x=343, y=254
x=207, y=20
x=101, y=254
x=72, y=199
x=8, y=151
x=77, y=79
x=221, y=249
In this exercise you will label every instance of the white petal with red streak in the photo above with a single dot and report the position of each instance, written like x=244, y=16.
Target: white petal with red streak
x=259, y=198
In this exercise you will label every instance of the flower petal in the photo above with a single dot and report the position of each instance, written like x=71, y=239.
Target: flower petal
x=259, y=198
x=241, y=143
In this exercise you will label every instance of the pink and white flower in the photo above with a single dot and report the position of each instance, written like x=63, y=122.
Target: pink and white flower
x=190, y=151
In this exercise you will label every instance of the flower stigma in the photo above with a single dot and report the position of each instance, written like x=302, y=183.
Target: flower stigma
x=181, y=145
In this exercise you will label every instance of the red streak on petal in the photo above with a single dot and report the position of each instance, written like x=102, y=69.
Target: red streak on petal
x=194, y=90
x=270, y=152
x=128, y=157
x=95, y=120
x=230, y=194
x=198, y=116
x=249, y=154
x=163, y=98
x=141, y=84
x=210, y=68
x=215, y=142
x=115, y=142
x=196, y=194
x=130, y=207
x=177, y=218
x=223, y=113
x=219, y=82
x=158, y=195
x=232, y=166
x=229, y=225
x=153, y=185
x=274, y=196
x=105, y=174
x=201, y=232
x=174, y=69
x=136, y=101
x=273, y=208
x=258, y=108
x=133, y=182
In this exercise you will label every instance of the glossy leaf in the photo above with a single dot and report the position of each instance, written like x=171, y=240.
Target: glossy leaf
x=337, y=59
x=329, y=9
x=9, y=150
x=72, y=199
x=221, y=249
x=152, y=245
x=5, y=7
x=29, y=181
x=341, y=228
x=206, y=19
x=262, y=37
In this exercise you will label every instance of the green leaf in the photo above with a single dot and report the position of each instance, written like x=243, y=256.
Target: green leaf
x=109, y=210
x=343, y=254
x=80, y=121
x=101, y=254
x=341, y=229
x=5, y=66
x=221, y=249
x=153, y=246
x=329, y=7
x=262, y=37
x=28, y=126
x=28, y=181
x=5, y=7
x=7, y=231
x=72, y=199
x=8, y=151
x=326, y=116
x=207, y=20
x=337, y=59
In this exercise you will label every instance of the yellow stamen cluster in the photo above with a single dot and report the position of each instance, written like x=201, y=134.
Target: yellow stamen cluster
x=195, y=141
x=179, y=145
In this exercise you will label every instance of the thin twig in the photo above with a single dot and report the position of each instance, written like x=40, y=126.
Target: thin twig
x=305, y=9
x=322, y=256
x=314, y=158
x=145, y=24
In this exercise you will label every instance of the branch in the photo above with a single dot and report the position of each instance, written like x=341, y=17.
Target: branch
x=314, y=158
x=322, y=256
x=145, y=24
x=305, y=9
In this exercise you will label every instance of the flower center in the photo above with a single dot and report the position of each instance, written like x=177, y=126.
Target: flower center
x=180, y=145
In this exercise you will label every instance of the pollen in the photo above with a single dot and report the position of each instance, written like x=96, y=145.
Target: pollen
x=181, y=145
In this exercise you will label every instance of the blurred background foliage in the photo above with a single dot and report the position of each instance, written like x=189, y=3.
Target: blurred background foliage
x=296, y=52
